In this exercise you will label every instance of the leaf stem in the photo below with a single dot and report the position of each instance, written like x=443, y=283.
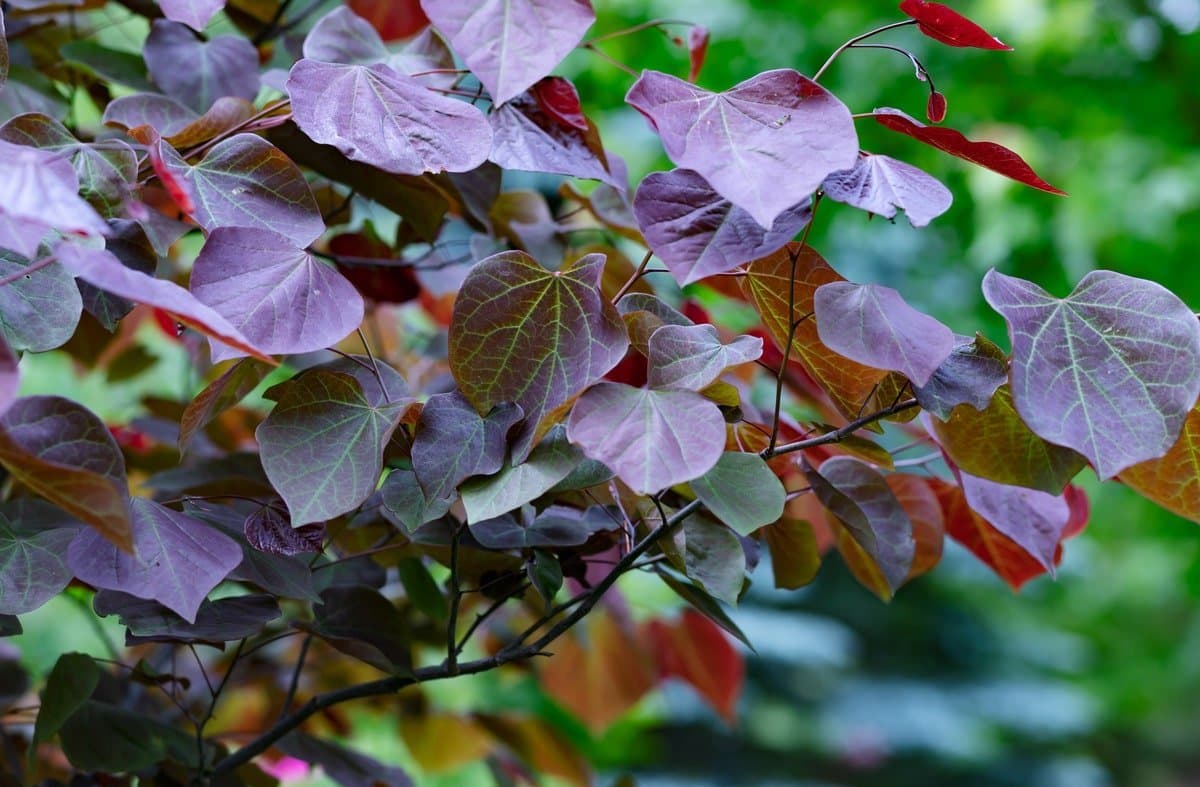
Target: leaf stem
x=641, y=271
x=869, y=34
x=33, y=267
x=838, y=435
x=362, y=337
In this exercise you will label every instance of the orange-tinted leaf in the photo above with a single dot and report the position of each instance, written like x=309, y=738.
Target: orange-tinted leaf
x=795, y=556
x=1012, y=563
x=989, y=155
x=862, y=566
x=950, y=27
x=598, y=672
x=227, y=113
x=1173, y=481
x=393, y=19
x=540, y=745
x=441, y=742
x=929, y=525
x=696, y=651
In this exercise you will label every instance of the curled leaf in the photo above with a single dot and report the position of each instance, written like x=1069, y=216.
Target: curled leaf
x=950, y=27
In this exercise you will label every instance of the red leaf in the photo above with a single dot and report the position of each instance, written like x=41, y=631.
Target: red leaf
x=1080, y=508
x=558, y=99
x=989, y=155
x=175, y=187
x=168, y=325
x=950, y=27
x=385, y=282
x=935, y=108
x=697, y=49
x=697, y=652
x=394, y=19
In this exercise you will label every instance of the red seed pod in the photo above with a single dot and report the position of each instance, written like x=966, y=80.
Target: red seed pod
x=935, y=108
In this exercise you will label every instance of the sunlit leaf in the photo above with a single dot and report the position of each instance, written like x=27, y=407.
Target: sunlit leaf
x=1034, y=520
x=501, y=42
x=1112, y=370
x=3, y=51
x=281, y=298
x=523, y=334
x=177, y=559
x=741, y=491
x=64, y=453
x=651, y=438
x=217, y=67
x=322, y=445
x=738, y=139
x=698, y=233
x=165, y=115
x=880, y=185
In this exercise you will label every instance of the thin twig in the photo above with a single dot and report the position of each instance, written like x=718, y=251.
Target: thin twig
x=641, y=269
x=295, y=682
x=855, y=40
x=838, y=435
x=374, y=365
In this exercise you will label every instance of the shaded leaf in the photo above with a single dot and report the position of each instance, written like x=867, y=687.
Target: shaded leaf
x=442, y=742
x=880, y=185
x=874, y=326
x=217, y=622
x=996, y=444
x=109, y=739
x=452, y=443
x=100, y=268
x=422, y=589
x=501, y=42
x=245, y=181
x=344, y=766
x=379, y=116
x=41, y=189
x=405, y=503
x=130, y=244
x=652, y=439
x=705, y=604
x=557, y=526
x=1112, y=370
x=989, y=155
x=860, y=498
x=698, y=233
x=234, y=384
x=925, y=511
x=177, y=559
x=269, y=530
x=948, y=26
x=795, y=557
x=64, y=453
x=3, y=51
x=193, y=13
x=1173, y=480
x=970, y=376
x=221, y=66
x=10, y=374
x=713, y=558
x=361, y=368
x=362, y=623
x=32, y=570
x=692, y=357
x=551, y=461
x=697, y=44
x=322, y=445
x=38, y=311
x=68, y=686
x=523, y=334
x=344, y=36
x=736, y=139
x=742, y=491
x=935, y=107
x=282, y=299
x=695, y=650
x=225, y=115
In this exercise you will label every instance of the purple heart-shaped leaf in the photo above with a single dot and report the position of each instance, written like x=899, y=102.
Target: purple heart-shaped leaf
x=880, y=185
x=1033, y=519
x=41, y=188
x=193, y=13
x=971, y=375
x=739, y=140
x=453, y=443
x=197, y=72
x=693, y=356
x=165, y=115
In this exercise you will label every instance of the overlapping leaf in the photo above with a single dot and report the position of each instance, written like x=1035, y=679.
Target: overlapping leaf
x=361, y=622
x=693, y=357
x=281, y=298
x=551, y=461
x=1034, y=520
x=322, y=445
x=63, y=452
x=222, y=393
x=379, y=116
x=343, y=36
x=405, y=503
x=742, y=491
x=738, y=139
x=344, y=766
x=848, y=384
x=32, y=570
x=1112, y=370
x=881, y=184
x=177, y=559
x=245, y=181
x=557, y=526
x=523, y=334
x=39, y=310
x=695, y=650
x=270, y=530
x=860, y=498
x=970, y=376
x=995, y=443
x=101, y=269
x=795, y=557
x=511, y=44
x=873, y=325
x=990, y=155
x=165, y=115
x=216, y=623
x=193, y=13
x=948, y=26
x=698, y=233
x=651, y=438
x=1173, y=480
x=453, y=443
x=40, y=188
x=394, y=19
x=220, y=66
x=921, y=504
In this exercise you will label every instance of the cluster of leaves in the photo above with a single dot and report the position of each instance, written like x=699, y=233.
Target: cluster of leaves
x=535, y=419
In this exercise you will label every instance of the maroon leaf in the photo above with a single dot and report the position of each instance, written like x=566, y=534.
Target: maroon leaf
x=861, y=499
x=950, y=27
x=100, y=268
x=698, y=233
x=526, y=136
x=453, y=443
x=393, y=19
x=64, y=453
x=389, y=120
x=510, y=44
x=221, y=66
x=177, y=559
x=523, y=334
x=738, y=140
x=558, y=99
x=873, y=325
x=193, y=13
x=245, y=181
x=697, y=49
x=989, y=155
x=1033, y=519
x=269, y=530
x=935, y=107
x=880, y=185
x=283, y=300
x=40, y=188
x=652, y=439
x=227, y=390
